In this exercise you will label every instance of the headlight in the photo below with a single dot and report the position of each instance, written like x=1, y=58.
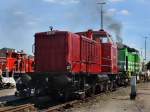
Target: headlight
x=68, y=67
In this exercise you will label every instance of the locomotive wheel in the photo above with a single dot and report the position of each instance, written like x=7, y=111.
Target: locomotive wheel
x=3, y=86
x=54, y=97
x=65, y=97
x=82, y=96
x=97, y=89
x=93, y=90
x=101, y=87
x=110, y=85
x=114, y=86
x=106, y=87
x=67, y=94
x=90, y=91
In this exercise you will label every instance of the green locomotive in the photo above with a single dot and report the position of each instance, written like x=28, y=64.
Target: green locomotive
x=128, y=62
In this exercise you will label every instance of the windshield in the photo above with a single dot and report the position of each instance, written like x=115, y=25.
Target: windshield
x=104, y=38
x=2, y=54
x=4, y=74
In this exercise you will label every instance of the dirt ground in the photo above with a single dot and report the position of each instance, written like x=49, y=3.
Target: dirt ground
x=118, y=101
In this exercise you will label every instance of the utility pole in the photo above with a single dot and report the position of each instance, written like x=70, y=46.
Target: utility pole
x=141, y=53
x=101, y=5
x=145, y=47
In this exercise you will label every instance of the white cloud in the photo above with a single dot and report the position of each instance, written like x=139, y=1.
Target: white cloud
x=125, y=12
x=111, y=12
x=64, y=2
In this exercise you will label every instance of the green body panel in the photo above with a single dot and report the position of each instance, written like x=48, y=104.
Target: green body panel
x=137, y=63
x=131, y=62
x=128, y=61
x=122, y=59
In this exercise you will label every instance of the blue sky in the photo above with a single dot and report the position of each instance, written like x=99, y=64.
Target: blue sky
x=20, y=19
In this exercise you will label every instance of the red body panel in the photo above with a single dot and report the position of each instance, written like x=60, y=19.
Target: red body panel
x=58, y=53
x=114, y=59
x=109, y=58
x=74, y=52
x=10, y=63
x=29, y=64
x=106, y=57
x=90, y=56
x=50, y=52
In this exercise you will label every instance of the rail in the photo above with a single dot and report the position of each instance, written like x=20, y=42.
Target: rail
x=61, y=107
x=20, y=108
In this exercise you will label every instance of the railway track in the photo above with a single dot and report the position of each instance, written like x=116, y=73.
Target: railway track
x=20, y=108
x=61, y=107
x=70, y=104
x=58, y=107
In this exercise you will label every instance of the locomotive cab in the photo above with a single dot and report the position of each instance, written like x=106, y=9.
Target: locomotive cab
x=103, y=36
x=109, y=52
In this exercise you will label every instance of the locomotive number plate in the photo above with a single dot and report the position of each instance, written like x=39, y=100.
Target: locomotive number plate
x=50, y=32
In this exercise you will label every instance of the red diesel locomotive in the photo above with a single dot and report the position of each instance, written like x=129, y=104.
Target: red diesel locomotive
x=71, y=64
x=91, y=52
x=18, y=62
x=13, y=63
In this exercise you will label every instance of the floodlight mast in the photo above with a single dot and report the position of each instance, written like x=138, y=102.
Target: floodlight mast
x=101, y=5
